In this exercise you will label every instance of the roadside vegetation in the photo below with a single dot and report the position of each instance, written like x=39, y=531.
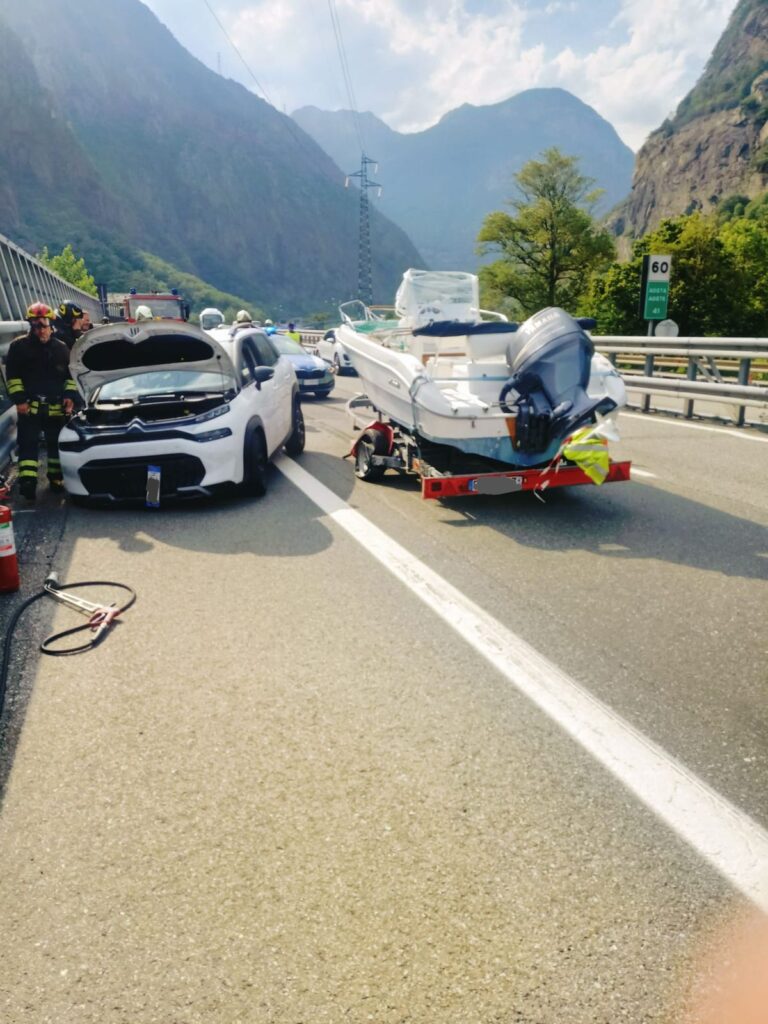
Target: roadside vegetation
x=552, y=251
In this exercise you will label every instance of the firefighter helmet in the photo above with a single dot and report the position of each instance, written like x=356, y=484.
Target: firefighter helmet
x=39, y=311
x=69, y=311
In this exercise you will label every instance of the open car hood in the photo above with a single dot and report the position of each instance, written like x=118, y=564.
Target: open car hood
x=118, y=350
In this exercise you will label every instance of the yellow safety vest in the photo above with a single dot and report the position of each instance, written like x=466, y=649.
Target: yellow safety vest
x=589, y=453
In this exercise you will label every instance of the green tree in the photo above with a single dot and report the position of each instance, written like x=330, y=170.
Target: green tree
x=68, y=266
x=550, y=245
x=718, y=282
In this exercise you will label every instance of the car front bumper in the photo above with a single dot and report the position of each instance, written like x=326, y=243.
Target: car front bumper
x=318, y=385
x=118, y=471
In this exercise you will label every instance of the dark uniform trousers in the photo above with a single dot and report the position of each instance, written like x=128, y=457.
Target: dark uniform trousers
x=49, y=418
x=37, y=375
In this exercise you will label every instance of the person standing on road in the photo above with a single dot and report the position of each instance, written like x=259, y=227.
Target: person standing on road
x=44, y=393
x=68, y=325
x=293, y=333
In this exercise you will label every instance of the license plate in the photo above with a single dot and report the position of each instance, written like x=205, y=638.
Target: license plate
x=153, y=486
x=496, y=484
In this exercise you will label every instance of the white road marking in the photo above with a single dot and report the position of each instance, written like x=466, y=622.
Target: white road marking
x=727, y=838
x=642, y=472
x=742, y=434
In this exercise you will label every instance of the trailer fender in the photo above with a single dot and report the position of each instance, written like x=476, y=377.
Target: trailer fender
x=383, y=428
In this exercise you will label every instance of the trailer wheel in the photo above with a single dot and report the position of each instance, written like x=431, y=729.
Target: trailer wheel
x=371, y=443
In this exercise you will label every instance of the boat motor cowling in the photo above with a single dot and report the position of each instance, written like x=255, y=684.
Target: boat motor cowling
x=547, y=389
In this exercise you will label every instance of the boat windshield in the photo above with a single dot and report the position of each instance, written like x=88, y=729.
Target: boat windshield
x=426, y=296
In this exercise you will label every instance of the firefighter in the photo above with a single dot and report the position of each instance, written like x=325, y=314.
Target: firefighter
x=40, y=385
x=68, y=324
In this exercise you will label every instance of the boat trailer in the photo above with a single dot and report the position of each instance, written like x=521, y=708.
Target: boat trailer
x=381, y=445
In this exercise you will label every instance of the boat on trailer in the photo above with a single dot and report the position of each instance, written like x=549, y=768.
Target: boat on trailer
x=445, y=377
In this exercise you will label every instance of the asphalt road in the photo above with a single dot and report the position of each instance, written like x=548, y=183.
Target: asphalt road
x=286, y=790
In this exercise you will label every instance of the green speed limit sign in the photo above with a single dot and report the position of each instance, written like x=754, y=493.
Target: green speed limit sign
x=654, y=291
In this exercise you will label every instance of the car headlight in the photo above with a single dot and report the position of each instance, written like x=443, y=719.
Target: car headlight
x=214, y=435
x=212, y=414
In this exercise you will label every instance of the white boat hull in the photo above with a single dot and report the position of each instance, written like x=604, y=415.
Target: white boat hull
x=453, y=399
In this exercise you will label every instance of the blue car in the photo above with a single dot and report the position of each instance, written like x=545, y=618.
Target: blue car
x=313, y=374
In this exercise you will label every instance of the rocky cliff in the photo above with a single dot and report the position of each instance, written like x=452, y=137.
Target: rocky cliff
x=716, y=145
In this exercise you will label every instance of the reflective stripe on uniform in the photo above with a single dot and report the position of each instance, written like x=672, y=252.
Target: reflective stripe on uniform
x=15, y=385
x=27, y=467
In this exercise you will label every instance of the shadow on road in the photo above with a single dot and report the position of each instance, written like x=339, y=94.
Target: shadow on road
x=627, y=521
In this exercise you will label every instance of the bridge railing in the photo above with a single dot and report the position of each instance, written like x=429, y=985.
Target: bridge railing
x=24, y=279
x=680, y=374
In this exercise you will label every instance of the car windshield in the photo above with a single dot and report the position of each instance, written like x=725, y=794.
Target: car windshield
x=210, y=320
x=288, y=346
x=157, y=382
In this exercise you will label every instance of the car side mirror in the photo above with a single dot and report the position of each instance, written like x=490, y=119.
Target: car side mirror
x=262, y=374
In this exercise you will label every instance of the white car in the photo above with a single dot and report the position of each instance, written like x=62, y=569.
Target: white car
x=332, y=351
x=172, y=411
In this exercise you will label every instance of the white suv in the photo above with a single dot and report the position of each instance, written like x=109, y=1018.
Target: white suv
x=168, y=404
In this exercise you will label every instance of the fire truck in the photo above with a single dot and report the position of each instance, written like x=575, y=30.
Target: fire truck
x=164, y=305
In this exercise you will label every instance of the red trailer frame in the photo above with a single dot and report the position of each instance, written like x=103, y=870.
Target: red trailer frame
x=400, y=451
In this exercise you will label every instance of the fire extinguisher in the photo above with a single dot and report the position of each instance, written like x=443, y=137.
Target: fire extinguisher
x=9, y=564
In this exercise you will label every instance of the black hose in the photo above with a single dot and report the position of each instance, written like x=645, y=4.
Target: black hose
x=45, y=646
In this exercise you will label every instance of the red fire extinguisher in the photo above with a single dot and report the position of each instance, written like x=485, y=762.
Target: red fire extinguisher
x=9, y=564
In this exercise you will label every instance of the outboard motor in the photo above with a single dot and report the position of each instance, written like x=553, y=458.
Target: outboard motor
x=550, y=362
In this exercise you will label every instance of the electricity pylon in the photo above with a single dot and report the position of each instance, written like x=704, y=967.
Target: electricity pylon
x=364, y=261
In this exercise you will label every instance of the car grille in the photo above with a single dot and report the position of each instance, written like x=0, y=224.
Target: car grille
x=310, y=374
x=127, y=478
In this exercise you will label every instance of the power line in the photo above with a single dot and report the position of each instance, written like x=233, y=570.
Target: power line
x=245, y=64
x=289, y=124
x=343, y=62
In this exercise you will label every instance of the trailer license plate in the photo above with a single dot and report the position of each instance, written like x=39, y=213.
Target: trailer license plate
x=496, y=484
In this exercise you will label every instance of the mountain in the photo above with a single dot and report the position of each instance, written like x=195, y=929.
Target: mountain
x=439, y=184
x=116, y=139
x=716, y=145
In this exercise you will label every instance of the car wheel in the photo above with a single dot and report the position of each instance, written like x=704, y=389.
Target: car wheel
x=255, y=465
x=295, y=443
x=371, y=443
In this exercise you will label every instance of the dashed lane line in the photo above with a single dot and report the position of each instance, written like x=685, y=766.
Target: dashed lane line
x=724, y=836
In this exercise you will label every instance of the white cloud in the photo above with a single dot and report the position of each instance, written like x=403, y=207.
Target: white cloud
x=637, y=84
x=411, y=61
x=559, y=7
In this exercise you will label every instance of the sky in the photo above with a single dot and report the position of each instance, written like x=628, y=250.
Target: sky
x=411, y=61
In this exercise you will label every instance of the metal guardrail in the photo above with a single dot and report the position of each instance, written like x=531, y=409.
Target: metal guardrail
x=24, y=279
x=717, y=370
